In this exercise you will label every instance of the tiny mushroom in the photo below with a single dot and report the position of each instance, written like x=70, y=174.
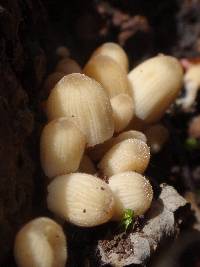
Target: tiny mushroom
x=108, y=73
x=127, y=155
x=157, y=135
x=85, y=102
x=62, y=146
x=41, y=243
x=192, y=85
x=115, y=51
x=132, y=191
x=68, y=66
x=81, y=199
x=155, y=84
x=62, y=51
x=194, y=127
x=123, y=111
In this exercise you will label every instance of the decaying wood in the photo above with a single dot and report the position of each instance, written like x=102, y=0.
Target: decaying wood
x=162, y=222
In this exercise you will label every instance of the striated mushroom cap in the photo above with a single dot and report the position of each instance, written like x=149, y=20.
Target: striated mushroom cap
x=81, y=199
x=84, y=101
x=155, y=85
x=39, y=243
x=62, y=146
x=108, y=73
x=132, y=191
x=114, y=51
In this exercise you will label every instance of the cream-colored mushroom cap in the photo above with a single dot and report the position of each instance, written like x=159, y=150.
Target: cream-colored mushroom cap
x=132, y=191
x=127, y=155
x=123, y=111
x=81, y=199
x=115, y=51
x=62, y=146
x=84, y=101
x=41, y=243
x=108, y=73
x=155, y=84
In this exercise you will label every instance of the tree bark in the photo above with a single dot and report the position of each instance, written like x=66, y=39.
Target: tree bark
x=162, y=222
x=22, y=66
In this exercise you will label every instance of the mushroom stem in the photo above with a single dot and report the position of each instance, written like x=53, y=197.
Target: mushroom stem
x=188, y=100
x=123, y=111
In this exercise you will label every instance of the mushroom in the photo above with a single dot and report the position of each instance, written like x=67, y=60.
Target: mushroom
x=194, y=127
x=50, y=82
x=114, y=51
x=127, y=155
x=87, y=166
x=97, y=152
x=41, y=243
x=192, y=85
x=107, y=72
x=123, y=111
x=62, y=51
x=131, y=191
x=81, y=199
x=68, y=66
x=157, y=135
x=85, y=102
x=62, y=146
x=155, y=84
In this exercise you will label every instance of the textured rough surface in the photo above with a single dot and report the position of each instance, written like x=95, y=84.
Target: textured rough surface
x=161, y=223
x=21, y=73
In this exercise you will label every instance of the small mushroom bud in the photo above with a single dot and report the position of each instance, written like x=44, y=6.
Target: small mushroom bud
x=115, y=51
x=155, y=85
x=81, y=199
x=108, y=73
x=87, y=166
x=50, y=82
x=123, y=111
x=41, y=243
x=194, y=127
x=132, y=191
x=98, y=151
x=61, y=147
x=128, y=155
x=62, y=51
x=157, y=135
x=192, y=85
x=83, y=100
x=68, y=66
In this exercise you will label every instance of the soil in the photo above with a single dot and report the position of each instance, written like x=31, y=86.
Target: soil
x=31, y=30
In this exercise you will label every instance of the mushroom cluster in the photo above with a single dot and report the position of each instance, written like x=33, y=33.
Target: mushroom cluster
x=90, y=148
